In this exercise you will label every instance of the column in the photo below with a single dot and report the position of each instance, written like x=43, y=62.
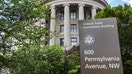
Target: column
x=52, y=26
x=93, y=12
x=81, y=11
x=43, y=22
x=67, y=37
x=43, y=25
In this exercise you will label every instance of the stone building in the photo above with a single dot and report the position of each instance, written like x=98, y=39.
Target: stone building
x=68, y=13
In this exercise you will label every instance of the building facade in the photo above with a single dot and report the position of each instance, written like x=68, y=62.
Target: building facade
x=67, y=13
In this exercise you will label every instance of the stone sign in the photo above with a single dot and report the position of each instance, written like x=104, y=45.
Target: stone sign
x=99, y=47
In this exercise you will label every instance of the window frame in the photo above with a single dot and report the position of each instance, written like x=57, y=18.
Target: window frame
x=62, y=28
x=73, y=42
x=73, y=14
x=61, y=15
x=73, y=28
x=61, y=41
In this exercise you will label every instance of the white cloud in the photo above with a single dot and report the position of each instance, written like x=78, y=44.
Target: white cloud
x=109, y=1
x=128, y=1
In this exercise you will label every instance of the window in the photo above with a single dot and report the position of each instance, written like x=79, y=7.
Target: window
x=73, y=28
x=61, y=41
x=62, y=15
x=73, y=41
x=73, y=14
x=61, y=28
x=85, y=16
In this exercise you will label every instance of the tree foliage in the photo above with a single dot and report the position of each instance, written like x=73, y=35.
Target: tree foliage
x=17, y=22
x=23, y=43
x=124, y=18
x=36, y=60
x=72, y=61
x=32, y=56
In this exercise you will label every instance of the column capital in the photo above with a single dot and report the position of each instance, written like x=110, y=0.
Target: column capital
x=94, y=7
x=81, y=4
x=52, y=6
x=81, y=11
x=66, y=4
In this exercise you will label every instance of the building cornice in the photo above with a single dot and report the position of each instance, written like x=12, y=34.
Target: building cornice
x=101, y=3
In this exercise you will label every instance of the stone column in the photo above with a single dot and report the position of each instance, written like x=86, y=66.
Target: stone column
x=52, y=26
x=43, y=25
x=67, y=38
x=81, y=11
x=93, y=12
x=43, y=22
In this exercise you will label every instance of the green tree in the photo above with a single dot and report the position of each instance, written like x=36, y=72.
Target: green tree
x=22, y=43
x=124, y=18
x=17, y=22
x=72, y=61
x=36, y=60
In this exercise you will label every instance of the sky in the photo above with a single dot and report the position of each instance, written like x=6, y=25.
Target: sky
x=114, y=3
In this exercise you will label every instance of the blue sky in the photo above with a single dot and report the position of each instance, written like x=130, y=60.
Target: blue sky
x=114, y=3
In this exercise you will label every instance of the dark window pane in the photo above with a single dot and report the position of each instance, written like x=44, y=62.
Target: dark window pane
x=73, y=14
x=73, y=28
x=61, y=28
x=62, y=15
x=73, y=41
x=61, y=41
